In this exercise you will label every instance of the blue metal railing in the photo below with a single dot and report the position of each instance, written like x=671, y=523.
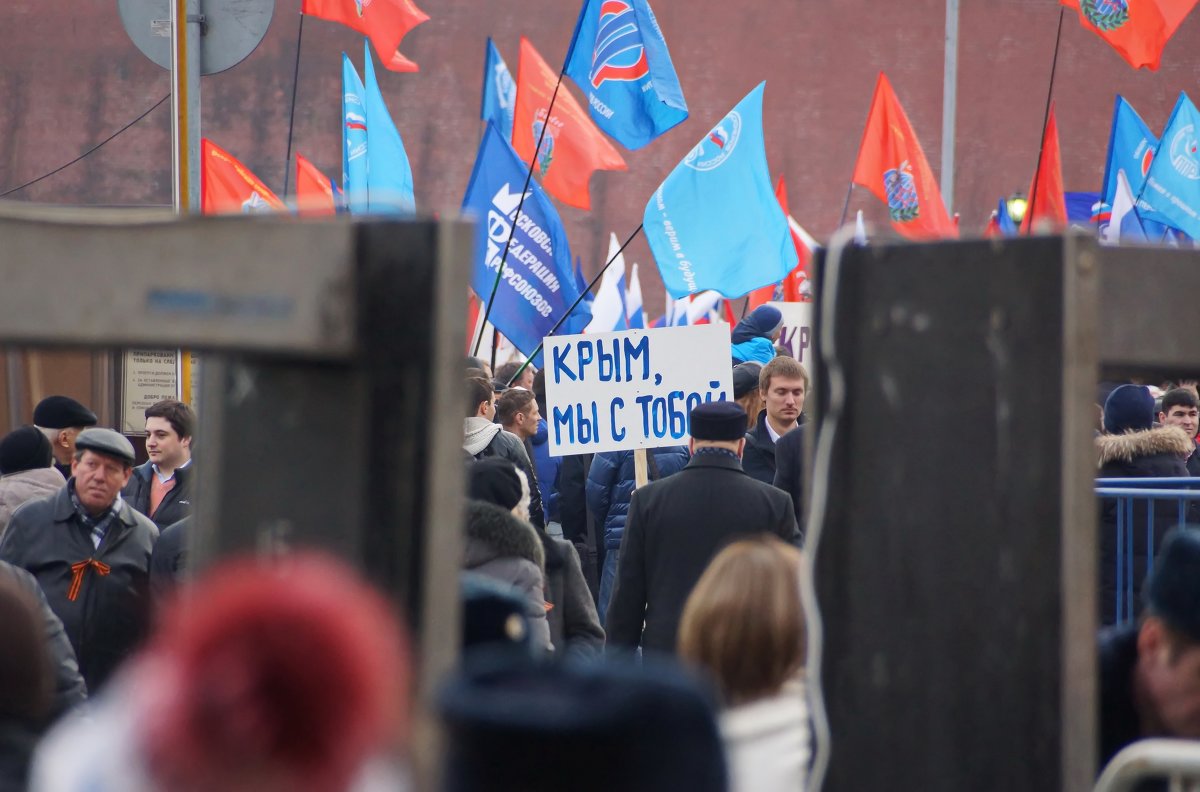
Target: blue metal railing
x=1124, y=491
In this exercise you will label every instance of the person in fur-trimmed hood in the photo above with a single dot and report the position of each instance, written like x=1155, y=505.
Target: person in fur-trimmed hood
x=1133, y=447
x=504, y=548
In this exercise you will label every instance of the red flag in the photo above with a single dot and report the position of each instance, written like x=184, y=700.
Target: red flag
x=993, y=227
x=794, y=284
x=384, y=22
x=573, y=146
x=1139, y=30
x=893, y=167
x=1047, y=203
x=314, y=191
x=228, y=187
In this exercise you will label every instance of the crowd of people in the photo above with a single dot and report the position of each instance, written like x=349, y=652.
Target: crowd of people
x=655, y=624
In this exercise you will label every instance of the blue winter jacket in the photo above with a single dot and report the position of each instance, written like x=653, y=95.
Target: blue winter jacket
x=546, y=468
x=610, y=486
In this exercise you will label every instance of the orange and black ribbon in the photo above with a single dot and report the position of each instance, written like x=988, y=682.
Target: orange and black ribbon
x=77, y=571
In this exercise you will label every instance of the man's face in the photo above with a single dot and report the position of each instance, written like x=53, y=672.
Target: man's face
x=98, y=479
x=526, y=379
x=1171, y=681
x=163, y=444
x=488, y=411
x=1186, y=418
x=526, y=422
x=784, y=400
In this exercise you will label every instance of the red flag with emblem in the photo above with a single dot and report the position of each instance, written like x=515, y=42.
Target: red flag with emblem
x=892, y=165
x=1137, y=29
x=384, y=22
x=316, y=194
x=573, y=146
x=228, y=187
x=1047, y=208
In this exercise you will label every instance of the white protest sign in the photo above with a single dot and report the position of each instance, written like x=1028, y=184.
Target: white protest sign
x=635, y=389
x=797, y=331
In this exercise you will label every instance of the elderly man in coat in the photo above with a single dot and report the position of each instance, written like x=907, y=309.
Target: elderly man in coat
x=678, y=524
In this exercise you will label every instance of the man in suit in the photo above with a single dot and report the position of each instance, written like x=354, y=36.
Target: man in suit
x=678, y=524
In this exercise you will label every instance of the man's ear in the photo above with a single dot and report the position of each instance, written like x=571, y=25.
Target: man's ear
x=1152, y=640
x=1162, y=417
x=64, y=438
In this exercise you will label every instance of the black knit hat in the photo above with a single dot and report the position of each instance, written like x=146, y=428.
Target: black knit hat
x=494, y=480
x=62, y=412
x=718, y=421
x=745, y=378
x=536, y=727
x=1173, y=590
x=24, y=449
x=1128, y=408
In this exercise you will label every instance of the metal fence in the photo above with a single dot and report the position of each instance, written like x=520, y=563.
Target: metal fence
x=1130, y=496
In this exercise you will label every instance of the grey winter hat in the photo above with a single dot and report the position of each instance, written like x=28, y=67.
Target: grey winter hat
x=107, y=442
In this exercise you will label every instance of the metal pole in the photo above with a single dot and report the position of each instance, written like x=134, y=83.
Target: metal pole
x=185, y=104
x=949, y=104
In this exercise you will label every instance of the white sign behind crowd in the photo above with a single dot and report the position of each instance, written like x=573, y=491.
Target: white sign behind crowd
x=634, y=389
x=797, y=335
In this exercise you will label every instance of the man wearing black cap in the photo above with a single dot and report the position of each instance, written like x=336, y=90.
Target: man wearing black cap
x=61, y=419
x=90, y=552
x=1150, y=670
x=678, y=524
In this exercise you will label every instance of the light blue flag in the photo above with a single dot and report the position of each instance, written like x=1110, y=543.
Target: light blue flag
x=619, y=59
x=538, y=284
x=499, y=92
x=1171, y=194
x=715, y=222
x=1131, y=147
x=354, y=139
x=389, y=176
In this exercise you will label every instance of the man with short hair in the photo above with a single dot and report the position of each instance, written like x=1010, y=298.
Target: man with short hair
x=1150, y=669
x=90, y=552
x=61, y=419
x=1181, y=408
x=161, y=488
x=505, y=373
x=482, y=438
x=676, y=525
x=783, y=385
x=517, y=412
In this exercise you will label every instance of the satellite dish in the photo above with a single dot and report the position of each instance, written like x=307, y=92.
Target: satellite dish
x=230, y=31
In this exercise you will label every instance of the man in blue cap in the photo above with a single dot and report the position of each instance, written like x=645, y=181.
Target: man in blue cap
x=90, y=552
x=1150, y=669
x=678, y=524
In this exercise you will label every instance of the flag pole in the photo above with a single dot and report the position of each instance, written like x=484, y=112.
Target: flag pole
x=513, y=228
x=287, y=165
x=575, y=304
x=1037, y=173
x=846, y=206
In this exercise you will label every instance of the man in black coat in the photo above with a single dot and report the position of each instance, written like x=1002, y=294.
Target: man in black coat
x=90, y=552
x=161, y=488
x=678, y=524
x=789, y=470
x=1150, y=670
x=783, y=385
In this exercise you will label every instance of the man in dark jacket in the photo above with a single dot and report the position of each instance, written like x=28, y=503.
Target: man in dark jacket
x=789, y=470
x=783, y=384
x=61, y=419
x=677, y=525
x=161, y=488
x=610, y=485
x=1181, y=408
x=1150, y=670
x=1132, y=447
x=90, y=552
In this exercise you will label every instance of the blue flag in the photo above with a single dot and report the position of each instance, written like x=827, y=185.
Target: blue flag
x=1171, y=194
x=715, y=222
x=1131, y=147
x=538, y=284
x=389, y=176
x=619, y=58
x=499, y=92
x=354, y=139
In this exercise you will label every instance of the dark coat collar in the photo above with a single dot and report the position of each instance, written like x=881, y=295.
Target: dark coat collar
x=715, y=461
